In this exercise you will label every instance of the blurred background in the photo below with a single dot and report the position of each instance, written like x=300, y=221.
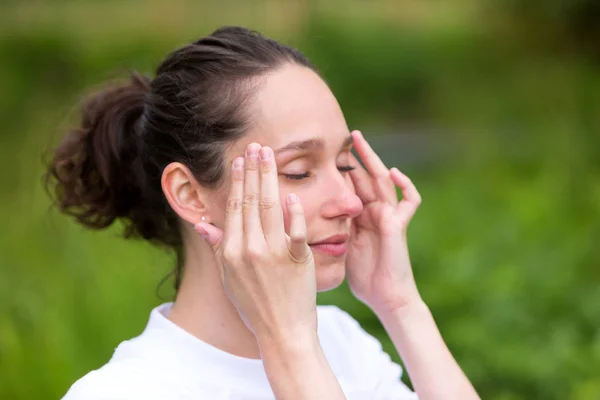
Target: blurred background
x=492, y=107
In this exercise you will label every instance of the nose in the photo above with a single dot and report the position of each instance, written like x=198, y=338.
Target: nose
x=341, y=199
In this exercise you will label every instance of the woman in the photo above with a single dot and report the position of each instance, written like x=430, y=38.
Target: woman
x=237, y=156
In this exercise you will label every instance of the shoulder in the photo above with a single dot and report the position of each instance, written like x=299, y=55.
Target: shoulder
x=122, y=380
x=344, y=339
x=359, y=356
x=339, y=323
x=347, y=331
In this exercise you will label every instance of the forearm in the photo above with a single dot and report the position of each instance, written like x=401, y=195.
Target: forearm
x=299, y=370
x=433, y=371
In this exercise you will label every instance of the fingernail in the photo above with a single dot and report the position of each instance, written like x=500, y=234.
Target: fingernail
x=238, y=162
x=252, y=150
x=201, y=230
x=396, y=170
x=265, y=153
x=292, y=198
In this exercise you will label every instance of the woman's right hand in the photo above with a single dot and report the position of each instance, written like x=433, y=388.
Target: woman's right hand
x=268, y=276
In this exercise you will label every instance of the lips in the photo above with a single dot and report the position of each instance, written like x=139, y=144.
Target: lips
x=336, y=245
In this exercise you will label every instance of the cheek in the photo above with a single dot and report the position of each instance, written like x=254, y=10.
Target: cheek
x=218, y=206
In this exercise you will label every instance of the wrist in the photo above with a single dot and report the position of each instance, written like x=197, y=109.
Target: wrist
x=293, y=356
x=297, y=368
x=288, y=345
x=407, y=314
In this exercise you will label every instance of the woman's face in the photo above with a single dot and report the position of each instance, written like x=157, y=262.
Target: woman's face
x=295, y=114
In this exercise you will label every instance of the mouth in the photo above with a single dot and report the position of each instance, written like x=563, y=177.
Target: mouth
x=336, y=245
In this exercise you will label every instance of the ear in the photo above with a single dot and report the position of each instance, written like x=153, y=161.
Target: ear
x=183, y=192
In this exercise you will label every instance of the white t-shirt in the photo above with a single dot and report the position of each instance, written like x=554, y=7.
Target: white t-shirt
x=166, y=362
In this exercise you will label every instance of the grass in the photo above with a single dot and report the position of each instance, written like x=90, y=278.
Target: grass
x=504, y=247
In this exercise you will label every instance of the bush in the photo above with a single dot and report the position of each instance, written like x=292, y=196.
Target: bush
x=503, y=248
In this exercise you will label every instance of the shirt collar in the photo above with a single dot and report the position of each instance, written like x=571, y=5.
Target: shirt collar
x=203, y=357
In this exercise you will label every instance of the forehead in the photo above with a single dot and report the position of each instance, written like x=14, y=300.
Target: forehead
x=292, y=104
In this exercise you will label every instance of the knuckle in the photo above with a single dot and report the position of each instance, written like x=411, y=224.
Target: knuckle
x=297, y=237
x=238, y=175
x=230, y=255
x=251, y=163
x=250, y=199
x=298, y=214
x=385, y=182
x=266, y=166
x=233, y=205
x=267, y=202
x=253, y=252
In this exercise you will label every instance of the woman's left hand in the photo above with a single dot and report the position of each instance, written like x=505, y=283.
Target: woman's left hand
x=378, y=265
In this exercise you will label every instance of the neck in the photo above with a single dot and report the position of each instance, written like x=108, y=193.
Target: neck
x=203, y=309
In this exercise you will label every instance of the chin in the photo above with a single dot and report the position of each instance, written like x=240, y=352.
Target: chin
x=330, y=273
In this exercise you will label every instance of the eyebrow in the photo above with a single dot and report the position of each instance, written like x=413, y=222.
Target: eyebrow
x=311, y=144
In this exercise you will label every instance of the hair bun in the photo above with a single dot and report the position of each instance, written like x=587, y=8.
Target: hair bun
x=93, y=171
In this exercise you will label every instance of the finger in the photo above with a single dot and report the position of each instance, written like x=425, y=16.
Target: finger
x=233, y=213
x=374, y=165
x=214, y=237
x=210, y=233
x=411, y=199
x=298, y=247
x=250, y=213
x=362, y=181
x=383, y=187
x=271, y=213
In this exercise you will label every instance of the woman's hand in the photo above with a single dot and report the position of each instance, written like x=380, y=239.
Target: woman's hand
x=378, y=265
x=380, y=274
x=268, y=276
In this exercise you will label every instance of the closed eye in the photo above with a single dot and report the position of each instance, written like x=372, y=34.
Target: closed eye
x=297, y=177
x=346, y=168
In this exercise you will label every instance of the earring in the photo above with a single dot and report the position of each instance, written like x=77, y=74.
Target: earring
x=203, y=218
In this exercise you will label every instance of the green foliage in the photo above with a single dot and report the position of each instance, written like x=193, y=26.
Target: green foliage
x=504, y=247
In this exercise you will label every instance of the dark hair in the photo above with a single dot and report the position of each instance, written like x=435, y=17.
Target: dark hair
x=110, y=166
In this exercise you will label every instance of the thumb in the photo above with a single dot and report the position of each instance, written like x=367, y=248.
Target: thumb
x=298, y=247
x=210, y=233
